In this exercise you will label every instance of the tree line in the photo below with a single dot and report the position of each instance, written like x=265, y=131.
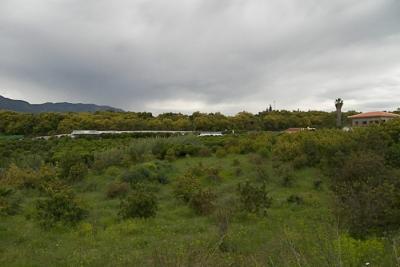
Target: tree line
x=13, y=123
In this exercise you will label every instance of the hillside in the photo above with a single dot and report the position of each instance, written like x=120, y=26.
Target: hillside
x=23, y=106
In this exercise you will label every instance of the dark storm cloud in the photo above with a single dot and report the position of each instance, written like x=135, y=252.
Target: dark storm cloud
x=202, y=55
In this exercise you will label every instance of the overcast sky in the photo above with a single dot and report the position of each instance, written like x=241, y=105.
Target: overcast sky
x=207, y=55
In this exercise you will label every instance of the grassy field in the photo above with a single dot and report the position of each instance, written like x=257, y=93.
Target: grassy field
x=103, y=239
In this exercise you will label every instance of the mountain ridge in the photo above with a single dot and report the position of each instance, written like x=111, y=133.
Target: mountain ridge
x=24, y=106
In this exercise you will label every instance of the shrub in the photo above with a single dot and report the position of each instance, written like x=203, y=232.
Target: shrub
x=111, y=157
x=317, y=184
x=367, y=195
x=60, y=206
x=21, y=178
x=69, y=159
x=203, y=202
x=213, y=174
x=295, y=199
x=47, y=173
x=185, y=186
x=77, y=172
x=205, y=152
x=255, y=159
x=197, y=170
x=220, y=153
x=287, y=181
x=264, y=152
x=9, y=203
x=286, y=173
x=262, y=174
x=147, y=172
x=139, y=204
x=300, y=161
x=117, y=189
x=170, y=155
x=254, y=199
x=238, y=171
x=393, y=155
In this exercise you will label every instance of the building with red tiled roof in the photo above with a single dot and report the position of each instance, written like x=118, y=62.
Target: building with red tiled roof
x=368, y=118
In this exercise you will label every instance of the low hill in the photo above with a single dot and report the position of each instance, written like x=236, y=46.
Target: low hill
x=23, y=106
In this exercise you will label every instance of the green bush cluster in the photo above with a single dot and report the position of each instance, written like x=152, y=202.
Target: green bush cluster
x=361, y=165
x=185, y=187
x=154, y=171
x=9, y=202
x=203, y=201
x=141, y=203
x=59, y=206
x=117, y=189
x=253, y=198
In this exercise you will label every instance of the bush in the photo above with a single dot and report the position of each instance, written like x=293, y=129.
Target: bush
x=220, y=153
x=117, y=189
x=255, y=159
x=9, y=203
x=264, y=152
x=170, y=155
x=185, y=186
x=300, y=161
x=139, y=204
x=238, y=171
x=147, y=172
x=205, y=152
x=69, y=159
x=262, y=174
x=393, y=155
x=77, y=172
x=317, y=184
x=254, y=199
x=197, y=170
x=21, y=178
x=203, y=202
x=60, y=206
x=295, y=199
x=367, y=195
x=111, y=157
x=287, y=181
x=286, y=173
x=213, y=175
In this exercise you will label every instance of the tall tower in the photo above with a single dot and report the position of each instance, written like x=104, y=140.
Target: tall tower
x=339, y=105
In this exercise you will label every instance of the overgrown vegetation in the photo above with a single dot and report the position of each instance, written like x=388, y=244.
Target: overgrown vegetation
x=323, y=198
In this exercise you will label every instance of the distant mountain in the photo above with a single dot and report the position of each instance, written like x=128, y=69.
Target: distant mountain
x=23, y=106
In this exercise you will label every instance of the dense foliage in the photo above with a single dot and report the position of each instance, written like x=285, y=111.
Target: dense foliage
x=323, y=198
x=141, y=203
x=59, y=206
x=52, y=123
x=363, y=168
x=253, y=198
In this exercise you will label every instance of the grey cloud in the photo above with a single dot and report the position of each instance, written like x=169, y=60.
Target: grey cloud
x=210, y=55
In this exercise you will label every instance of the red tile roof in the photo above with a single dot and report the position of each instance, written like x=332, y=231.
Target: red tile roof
x=374, y=115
